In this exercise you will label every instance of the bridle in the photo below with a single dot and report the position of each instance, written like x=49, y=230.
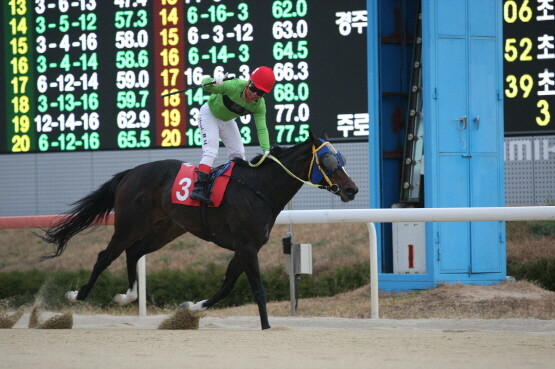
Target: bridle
x=327, y=160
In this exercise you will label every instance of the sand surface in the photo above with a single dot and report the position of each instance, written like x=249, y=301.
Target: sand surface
x=103, y=341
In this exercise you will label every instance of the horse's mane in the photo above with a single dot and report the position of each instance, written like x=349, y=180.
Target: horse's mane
x=275, y=151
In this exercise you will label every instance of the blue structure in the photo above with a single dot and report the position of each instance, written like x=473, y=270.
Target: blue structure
x=435, y=92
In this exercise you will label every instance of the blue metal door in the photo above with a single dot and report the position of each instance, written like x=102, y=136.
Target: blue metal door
x=469, y=132
x=451, y=94
x=485, y=131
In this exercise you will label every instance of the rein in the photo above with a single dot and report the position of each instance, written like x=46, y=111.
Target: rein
x=293, y=174
x=332, y=187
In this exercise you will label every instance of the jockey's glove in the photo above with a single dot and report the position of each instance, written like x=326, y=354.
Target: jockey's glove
x=219, y=79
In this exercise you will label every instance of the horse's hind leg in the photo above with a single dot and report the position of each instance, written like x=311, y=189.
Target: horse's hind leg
x=128, y=229
x=105, y=258
x=159, y=235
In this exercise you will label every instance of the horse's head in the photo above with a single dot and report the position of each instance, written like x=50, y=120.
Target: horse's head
x=328, y=169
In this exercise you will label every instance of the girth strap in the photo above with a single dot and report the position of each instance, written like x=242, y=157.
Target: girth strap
x=204, y=207
x=204, y=221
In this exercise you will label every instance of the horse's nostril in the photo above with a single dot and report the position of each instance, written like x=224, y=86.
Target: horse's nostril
x=351, y=191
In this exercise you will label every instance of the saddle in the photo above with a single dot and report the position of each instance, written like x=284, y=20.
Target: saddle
x=184, y=183
x=217, y=172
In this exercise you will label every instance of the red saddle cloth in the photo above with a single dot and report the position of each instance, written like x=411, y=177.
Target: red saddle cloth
x=184, y=184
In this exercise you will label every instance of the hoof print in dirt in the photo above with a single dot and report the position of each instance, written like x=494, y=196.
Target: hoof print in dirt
x=9, y=320
x=182, y=319
x=62, y=321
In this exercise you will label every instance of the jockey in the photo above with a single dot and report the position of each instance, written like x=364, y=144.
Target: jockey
x=229, y=100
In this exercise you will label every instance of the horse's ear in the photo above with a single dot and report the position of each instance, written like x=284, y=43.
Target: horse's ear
x=311, y=136
x=324, y=135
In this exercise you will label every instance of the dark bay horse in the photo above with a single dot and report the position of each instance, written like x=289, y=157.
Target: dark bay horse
x=145, y=219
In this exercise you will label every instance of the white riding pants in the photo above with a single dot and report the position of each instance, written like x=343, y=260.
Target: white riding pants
x=214, y=129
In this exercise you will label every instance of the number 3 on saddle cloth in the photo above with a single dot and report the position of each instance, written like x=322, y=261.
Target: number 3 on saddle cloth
x=184, y=184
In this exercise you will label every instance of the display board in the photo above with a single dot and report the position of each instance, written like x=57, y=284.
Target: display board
x=529, y=66
x=88, y=74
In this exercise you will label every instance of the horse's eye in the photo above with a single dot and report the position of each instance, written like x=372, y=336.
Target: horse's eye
x=329, y=161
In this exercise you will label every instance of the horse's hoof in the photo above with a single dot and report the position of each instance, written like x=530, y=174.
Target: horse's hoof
x=193, y=306
x=185, y=305
x=124, y=298
x=72, y=296
x=197, y=306
x=120, y=299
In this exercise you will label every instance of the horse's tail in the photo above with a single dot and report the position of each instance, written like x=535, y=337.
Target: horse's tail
x=95, y=207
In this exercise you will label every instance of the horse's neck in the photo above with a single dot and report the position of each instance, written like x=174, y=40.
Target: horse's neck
x=282, y=186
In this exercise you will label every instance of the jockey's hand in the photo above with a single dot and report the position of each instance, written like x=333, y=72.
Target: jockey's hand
x=219, y=79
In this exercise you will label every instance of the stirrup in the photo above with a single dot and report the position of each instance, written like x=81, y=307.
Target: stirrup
x=201, y=196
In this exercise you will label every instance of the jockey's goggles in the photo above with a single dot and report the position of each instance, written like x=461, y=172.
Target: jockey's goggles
x=255, y=90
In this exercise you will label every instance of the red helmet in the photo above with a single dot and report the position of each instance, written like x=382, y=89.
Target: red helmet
x=263, y=78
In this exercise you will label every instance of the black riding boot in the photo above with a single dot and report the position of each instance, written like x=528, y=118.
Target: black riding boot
x=200, y=186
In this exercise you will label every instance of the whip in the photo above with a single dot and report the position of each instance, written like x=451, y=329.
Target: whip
x=226, y=78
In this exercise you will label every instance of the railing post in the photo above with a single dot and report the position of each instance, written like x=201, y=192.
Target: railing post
x=374, y=303
x=141, y=276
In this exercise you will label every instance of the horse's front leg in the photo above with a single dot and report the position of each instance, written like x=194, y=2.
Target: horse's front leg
x=252, y=269
x=234, y=270
x=243, y=260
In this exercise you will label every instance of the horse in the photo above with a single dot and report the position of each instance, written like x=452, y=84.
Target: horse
x=145, y=219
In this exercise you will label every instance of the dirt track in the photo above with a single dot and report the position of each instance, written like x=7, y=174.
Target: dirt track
x=131, y=342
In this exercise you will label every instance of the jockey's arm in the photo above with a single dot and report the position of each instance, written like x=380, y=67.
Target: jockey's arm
x=262, y=130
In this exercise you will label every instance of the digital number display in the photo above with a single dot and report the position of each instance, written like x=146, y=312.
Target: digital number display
x=529, y=66
x=79, y=75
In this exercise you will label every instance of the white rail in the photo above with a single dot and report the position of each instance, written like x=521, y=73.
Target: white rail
x=416, y=215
